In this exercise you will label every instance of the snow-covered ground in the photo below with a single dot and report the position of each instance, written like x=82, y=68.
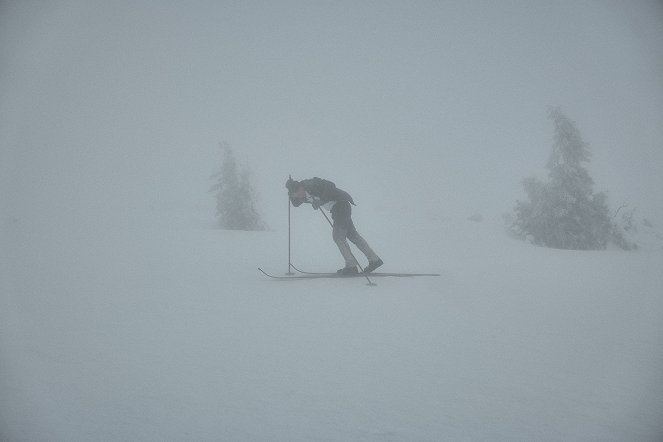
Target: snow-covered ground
x=125, y=316
x=166, y=331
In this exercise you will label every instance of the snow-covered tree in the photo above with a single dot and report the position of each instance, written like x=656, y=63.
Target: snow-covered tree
x=565, y=213
x=235, y=207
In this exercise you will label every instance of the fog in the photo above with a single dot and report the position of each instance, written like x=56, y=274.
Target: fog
x=438, y=107
x=124, y=315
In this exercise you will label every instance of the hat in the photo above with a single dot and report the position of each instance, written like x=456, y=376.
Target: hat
x=292, y=185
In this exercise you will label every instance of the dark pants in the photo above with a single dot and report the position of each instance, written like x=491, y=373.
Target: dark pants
x=344, y=229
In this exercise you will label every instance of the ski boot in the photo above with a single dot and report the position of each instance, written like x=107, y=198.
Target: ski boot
x=373, y=265
x=347, y=271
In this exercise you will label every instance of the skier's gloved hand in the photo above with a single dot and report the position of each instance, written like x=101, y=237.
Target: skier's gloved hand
x=316, y=203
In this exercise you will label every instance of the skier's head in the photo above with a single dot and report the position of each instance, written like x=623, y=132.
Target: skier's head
x=293, y=186
x=296, y=192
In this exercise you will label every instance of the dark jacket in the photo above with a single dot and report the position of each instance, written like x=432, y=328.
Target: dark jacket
x=323, y=189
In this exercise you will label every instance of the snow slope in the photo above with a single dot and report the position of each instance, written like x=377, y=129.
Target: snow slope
x=166, y=331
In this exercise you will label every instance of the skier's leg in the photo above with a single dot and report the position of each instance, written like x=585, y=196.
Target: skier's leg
x=342, y=221
x=361, y=243
x=340, y=236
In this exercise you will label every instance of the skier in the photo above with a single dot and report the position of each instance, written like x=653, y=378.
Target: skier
x=323, y=193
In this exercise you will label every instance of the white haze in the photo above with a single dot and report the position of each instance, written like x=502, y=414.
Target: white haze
x=438, y=106
x=111, y=113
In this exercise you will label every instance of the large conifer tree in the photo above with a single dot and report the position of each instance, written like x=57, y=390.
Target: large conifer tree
x=564, y=212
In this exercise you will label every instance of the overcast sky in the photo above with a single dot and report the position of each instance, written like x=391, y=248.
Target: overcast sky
x=437, y=107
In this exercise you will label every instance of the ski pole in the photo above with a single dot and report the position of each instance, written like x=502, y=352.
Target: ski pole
x=289, y=272
x=353, y=256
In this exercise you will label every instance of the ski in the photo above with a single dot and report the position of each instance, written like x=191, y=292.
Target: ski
x=299, y=277
x=399, y=274
x=336, y=275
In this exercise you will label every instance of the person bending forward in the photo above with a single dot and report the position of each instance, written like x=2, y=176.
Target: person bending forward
x=323, y=193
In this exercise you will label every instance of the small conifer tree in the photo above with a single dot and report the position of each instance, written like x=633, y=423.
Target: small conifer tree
x=235, y=208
